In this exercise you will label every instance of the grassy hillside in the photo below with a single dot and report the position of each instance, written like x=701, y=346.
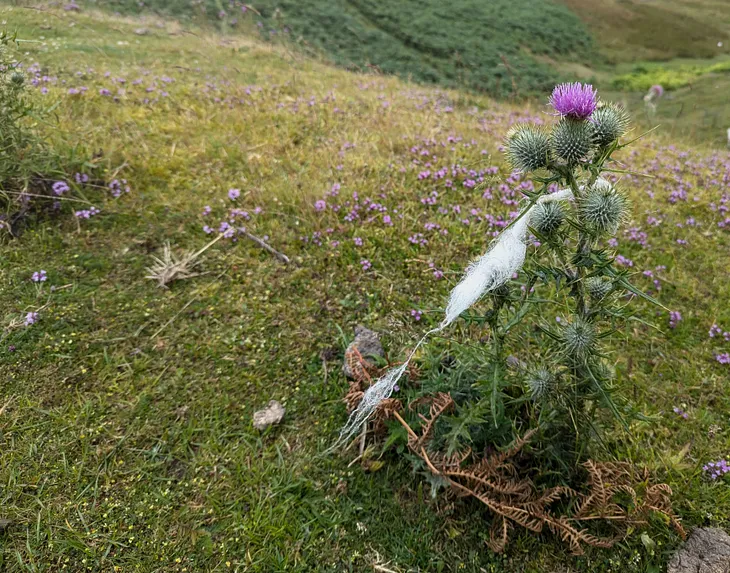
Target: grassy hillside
x=634, y=30
x=486, y=46
x=125, y=417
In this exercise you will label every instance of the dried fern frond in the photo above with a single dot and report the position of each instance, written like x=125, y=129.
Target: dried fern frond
x=618, y=494
x=170, y=267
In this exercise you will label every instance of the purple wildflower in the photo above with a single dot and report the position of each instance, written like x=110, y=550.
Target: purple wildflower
x=717, y=469
x=681, y=413
x=674, y=318
x=234, y=194
x=723, y=358
x=574, y=100
x=60, y=187
x=416, y=314
x=39, y=277
x=320, y=205
x=87, y=213
x=31, y=318
x=366, y=264
x=117, y=187
x=657, y=90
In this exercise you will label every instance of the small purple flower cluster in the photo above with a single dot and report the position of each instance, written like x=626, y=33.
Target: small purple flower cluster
x=86, y=213
x=717, y=469
x=118, y=186
x=366, y=264
x=229, y=226
x=675, y=318
x=716, y=331
x=416, y=314
x=681, y=413
x=39, y=277
x=60, y=187
x=31, y=318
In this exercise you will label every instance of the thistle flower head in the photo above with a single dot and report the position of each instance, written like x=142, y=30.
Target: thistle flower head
x=577, y=100
x=610, y=122
x=528, y=147
x=579, y=339
x=598, y=287
x=541, y=383
x=572, y=140
x=603, y=207
x=547, y=218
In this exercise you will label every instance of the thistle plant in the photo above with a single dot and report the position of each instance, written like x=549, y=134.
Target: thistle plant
x=564, y=304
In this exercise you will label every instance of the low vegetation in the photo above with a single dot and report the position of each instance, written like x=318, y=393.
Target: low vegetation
x=126, y=411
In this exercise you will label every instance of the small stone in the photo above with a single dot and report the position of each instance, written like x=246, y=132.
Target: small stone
x=367, y=343
x=141, y=31
x=272, y=414
x=706, y=551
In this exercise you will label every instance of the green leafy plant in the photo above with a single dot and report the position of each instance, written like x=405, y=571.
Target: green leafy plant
x=543, y=409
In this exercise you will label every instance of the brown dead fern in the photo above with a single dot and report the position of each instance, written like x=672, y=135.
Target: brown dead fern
x=617, y=493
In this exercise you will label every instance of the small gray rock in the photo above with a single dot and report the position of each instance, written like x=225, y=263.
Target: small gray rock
x=141, y=31
x=272, y=414
x=367, y=343
x=706, y=551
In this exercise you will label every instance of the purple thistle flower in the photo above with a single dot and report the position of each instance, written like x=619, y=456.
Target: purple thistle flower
x=574, y=100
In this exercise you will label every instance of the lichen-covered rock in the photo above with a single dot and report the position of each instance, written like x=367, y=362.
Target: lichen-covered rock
x=272, y=414
x=367, y=344
x=706, y=551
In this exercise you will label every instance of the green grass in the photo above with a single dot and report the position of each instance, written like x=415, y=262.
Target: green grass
x=694, y=106
x=126, y=433
x=508, y=49
x=632, y=30
x=489, y=47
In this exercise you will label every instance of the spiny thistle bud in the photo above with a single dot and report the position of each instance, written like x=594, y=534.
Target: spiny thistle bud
x=603, y=207
x=579, y=339
x=572, y=140
x=17, y=78
x=541, y=383
x=528, y=147
x=547, y=217
x=598, y=288
x=610, y=121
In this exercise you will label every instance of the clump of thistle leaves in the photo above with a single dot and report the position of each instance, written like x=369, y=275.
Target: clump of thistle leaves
x=538, y=359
